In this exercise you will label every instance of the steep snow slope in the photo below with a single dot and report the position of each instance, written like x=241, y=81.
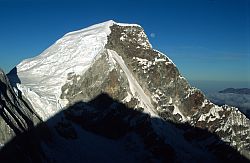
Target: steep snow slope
x=43, y=76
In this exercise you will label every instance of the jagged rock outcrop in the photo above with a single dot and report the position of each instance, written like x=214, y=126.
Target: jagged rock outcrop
x=20, y=127
x=65, y=82
x=17, y=115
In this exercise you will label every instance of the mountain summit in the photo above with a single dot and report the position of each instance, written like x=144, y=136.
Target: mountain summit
x=125, y=95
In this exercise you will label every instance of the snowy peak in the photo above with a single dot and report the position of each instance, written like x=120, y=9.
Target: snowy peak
x=101, y=27
x=95, y=29
x=74, y=45
x=117, y=59
x=43, y=76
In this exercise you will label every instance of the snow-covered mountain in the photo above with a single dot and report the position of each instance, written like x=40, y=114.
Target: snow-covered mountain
x=109, y=80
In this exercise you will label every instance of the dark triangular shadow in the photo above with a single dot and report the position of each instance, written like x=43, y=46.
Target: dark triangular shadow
x=108, y=118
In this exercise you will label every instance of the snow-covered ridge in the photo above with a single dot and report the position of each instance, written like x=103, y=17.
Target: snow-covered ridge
x=103, y=26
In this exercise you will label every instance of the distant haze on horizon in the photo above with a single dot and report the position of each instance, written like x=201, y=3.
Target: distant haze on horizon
x=208, y=40
x=208, y=86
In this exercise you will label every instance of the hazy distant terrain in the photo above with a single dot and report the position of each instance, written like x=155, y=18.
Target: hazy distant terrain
x=242, y=91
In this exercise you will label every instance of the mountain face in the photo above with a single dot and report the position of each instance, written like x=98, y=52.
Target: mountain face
x=107, y=95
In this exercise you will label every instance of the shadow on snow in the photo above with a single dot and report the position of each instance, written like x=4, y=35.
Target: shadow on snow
x=112, y=120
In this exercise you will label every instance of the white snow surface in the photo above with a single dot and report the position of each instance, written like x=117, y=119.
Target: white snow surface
x=43, y=76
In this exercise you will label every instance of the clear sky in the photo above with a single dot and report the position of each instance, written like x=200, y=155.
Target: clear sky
x=207, y=39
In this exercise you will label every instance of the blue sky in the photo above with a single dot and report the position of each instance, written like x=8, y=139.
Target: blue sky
x=207, y=39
